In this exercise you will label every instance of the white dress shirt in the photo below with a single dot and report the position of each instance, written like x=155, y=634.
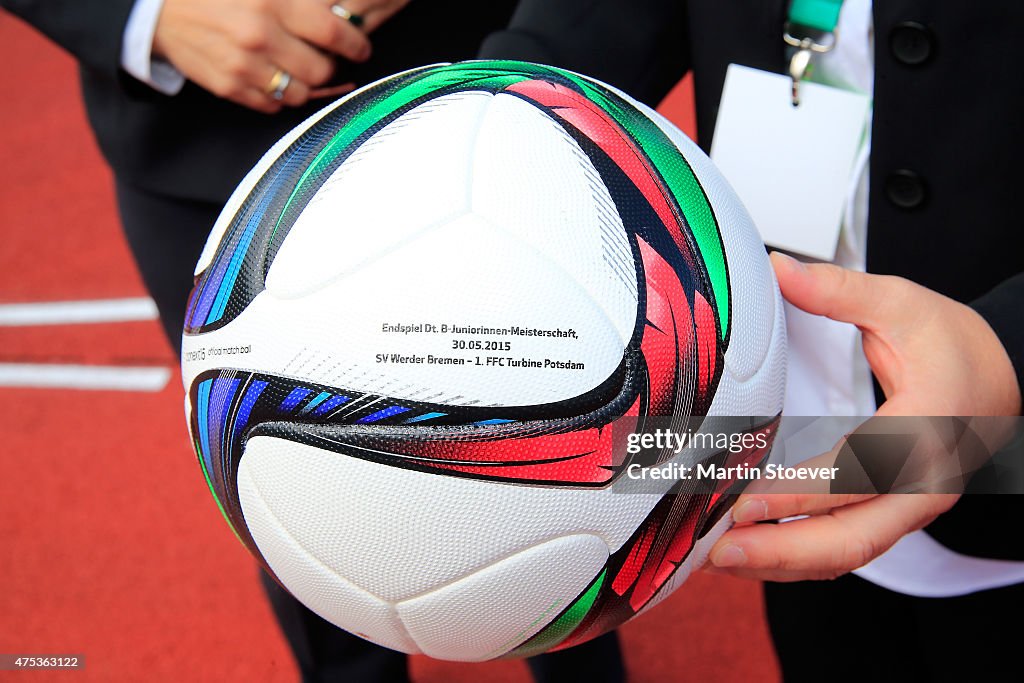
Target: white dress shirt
x=137, y=50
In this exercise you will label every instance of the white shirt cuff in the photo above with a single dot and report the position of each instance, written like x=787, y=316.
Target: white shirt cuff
x=137, y=50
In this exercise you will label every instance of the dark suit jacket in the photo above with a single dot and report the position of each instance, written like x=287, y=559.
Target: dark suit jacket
x=947, y=157
x=197, y=146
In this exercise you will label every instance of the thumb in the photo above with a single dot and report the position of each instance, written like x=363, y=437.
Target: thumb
x=837, y=293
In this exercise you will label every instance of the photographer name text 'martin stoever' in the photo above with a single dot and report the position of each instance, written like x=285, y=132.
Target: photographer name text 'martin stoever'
x=711, y=471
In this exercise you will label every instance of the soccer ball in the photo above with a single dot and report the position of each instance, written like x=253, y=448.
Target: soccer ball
x=416, y=326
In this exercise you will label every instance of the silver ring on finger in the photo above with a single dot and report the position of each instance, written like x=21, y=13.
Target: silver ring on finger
x=279, y=82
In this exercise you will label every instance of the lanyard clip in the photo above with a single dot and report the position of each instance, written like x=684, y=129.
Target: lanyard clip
x=806, y=48
x=798, y=67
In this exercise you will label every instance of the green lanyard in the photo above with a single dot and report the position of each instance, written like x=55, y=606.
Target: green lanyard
x=820, y=15
x=811, y=29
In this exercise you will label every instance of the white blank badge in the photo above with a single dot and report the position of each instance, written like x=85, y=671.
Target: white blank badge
x=791, y=166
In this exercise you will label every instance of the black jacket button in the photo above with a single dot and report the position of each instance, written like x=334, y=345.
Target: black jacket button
x=905, y=189
x=911, y=43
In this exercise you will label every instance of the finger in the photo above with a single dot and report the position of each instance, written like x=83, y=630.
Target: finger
x=304, y=62
x=252, y=76
x=761, y=507
x=314, y=22
x=839, y=293
x=236, y=82
x=783, y=486
x=923, y=464
x=253, y=98
x=776, y=575
x=829, y=545
x=230, y=80
x=779, y=498
x=296, y=94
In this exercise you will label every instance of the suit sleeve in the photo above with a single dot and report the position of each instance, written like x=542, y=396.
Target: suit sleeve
x=1003, y=309
x=91, y=30
x=639, y=46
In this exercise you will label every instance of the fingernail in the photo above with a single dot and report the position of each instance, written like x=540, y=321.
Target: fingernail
x=790, y=261
x=750, y=511
x=729, y=556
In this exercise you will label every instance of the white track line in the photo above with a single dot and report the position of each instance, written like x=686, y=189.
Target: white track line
x=77, y=312
x=102, y=377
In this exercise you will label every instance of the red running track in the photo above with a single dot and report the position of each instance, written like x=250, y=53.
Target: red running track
x=111, y=544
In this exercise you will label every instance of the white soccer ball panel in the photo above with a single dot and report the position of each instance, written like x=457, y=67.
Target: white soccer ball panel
x=410, y=176
x=398, y=533
x=499, y=607
x=316, y=585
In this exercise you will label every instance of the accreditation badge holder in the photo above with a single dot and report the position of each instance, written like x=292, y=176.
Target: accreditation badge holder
x=791, y=165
